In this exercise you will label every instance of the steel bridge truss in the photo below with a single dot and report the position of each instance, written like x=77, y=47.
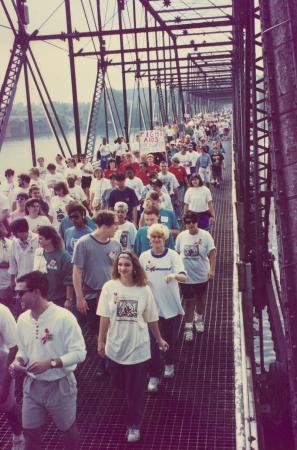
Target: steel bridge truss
x=163, y=37
x=257, y=138
x=191, y=57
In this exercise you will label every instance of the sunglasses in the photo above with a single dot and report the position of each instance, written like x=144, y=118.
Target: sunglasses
x=20, y=293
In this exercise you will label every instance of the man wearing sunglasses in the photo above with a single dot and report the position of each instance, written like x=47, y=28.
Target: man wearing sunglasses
x=50, y=346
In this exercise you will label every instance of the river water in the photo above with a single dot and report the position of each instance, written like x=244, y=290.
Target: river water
x=17, y=153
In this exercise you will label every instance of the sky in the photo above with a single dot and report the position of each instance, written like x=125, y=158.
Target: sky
x=54, y=62
x=48, y=16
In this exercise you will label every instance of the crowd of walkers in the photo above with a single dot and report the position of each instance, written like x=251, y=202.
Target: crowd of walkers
x=123, y=241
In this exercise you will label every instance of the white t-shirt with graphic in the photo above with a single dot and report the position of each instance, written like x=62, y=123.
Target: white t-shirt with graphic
x=169, y=180
x=58, y=208
x=125, y=235
x=129, y=309
x=194, y=250
x=167, y=295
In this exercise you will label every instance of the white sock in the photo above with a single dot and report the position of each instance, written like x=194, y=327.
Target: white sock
x=189, y=325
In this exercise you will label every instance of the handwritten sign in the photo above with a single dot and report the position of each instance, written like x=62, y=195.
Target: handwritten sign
x=152, y=141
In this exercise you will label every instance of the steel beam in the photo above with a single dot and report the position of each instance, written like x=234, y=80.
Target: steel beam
x=73, y=78
x=77, y=35
x=280, y=56
x=160, y=48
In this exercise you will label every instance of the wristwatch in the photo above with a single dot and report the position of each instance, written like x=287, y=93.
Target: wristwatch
x=53, y=363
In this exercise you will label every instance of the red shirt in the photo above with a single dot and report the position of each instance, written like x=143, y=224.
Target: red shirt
x=143, y=176
x=124, y=165
x=108, y=172
x=179, y=172
x=154, y=168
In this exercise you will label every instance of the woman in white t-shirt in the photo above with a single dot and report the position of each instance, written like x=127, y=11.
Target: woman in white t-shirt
x=33, y=215
x=198, y=253
x=126, y=308
x=98, y=186
x=198, y=199
x=59, y=202
x=73, y=169
x=164, y=269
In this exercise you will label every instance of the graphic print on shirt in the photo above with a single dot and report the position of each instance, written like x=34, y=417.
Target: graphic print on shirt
x=124, y=239
x=127, y=310
x=192, y=251
x=52, y=265
x=60, y=214
x=151, y=267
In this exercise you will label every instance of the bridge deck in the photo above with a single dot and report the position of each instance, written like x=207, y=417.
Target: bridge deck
x=196, y=409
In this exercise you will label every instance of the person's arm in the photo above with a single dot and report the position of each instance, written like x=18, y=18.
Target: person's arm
x=211, y=210
x=86, y=205
x=176, y=199
x=69, y=296
x=137, y=244
x=186, y=208
x=81, y=303
x=187, y=184
x=141, y=220
x=180, y=277
x=103, y=328
x=134, y=215
x=212, y=260
x=209, y=165
x=7, y=377
x=174, y=232
x=154, y=327
x=89, y=168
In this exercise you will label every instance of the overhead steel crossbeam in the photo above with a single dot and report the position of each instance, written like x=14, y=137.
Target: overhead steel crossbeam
x=87, y=34
x=160, y=48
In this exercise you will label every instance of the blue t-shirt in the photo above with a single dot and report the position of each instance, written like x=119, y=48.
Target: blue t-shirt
x=168, y=218
x=142, y=242
x=66, y=223
x=72, y=235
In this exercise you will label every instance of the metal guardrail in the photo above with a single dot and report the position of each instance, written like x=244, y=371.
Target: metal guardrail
x=245, y=411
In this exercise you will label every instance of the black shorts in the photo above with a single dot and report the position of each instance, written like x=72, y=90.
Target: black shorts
x=86, y=182
x=193, y=291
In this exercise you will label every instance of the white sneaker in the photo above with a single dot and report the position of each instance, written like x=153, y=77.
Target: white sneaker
x=18, y=442
x=188, y=334
x=133, y=435
x=169, y=371
x=199, y=325
x=153, y=384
